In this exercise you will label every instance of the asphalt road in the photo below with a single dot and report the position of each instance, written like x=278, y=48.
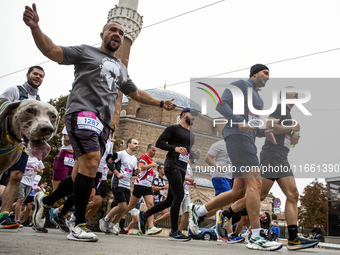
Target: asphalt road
x=25, y=241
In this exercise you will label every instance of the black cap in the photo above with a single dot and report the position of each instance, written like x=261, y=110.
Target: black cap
x=188, y=110
x=257, y=68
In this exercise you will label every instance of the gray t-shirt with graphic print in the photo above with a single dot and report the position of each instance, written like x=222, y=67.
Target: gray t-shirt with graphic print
x=98, y=79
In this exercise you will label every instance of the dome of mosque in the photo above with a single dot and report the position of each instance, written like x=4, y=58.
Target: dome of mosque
x=163, y=94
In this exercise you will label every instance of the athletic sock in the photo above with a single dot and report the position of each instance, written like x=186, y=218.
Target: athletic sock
x=56, y=211
x=106, y=218
x=82, y=188
x=255, y=232
x=64, y=189
x=3, y=213
x=201, y=211
x=228, y=213
x=121, y=223
x=111, y=225
x=292, y=232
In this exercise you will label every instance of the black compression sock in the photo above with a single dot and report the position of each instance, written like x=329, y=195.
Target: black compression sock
x=64, y=189
x=82, y=188
x=69, y=203
x=122, y=223
x=228, y=213
x=292, y=232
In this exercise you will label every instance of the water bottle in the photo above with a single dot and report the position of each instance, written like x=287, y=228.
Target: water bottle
x=195, y=157
x=295, y=134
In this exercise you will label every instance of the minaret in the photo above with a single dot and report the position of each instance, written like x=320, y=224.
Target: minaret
x=126, y=14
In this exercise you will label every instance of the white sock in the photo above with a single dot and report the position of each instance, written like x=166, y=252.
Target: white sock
x=56, y=211
x=111, y=225
x=201, y=211
x=255, y=232
x=230, y=234
x=106, y=218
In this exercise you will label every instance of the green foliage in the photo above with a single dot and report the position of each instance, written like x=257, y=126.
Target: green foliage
x=313, y=209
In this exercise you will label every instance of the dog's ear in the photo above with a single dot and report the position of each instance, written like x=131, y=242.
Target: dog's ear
x=6, y=108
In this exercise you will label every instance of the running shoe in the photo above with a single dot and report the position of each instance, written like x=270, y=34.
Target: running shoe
x=154, y=231
x=113, y=230
x=7, y=223
x=301, y=243
x=222, y=239
x=263, y=234
x=82, y=233
x=103, y=225
x=60, y=222
x=246, y=237
x=178, y=236
x=19, y=222
x=141, y=222
x=235, y=238
x=220, y=232
x=70, y=222
x=124, y=231
x=193, y=218
x=52, y=215
x=40, y=211
x=40, y=230
x=259, y=243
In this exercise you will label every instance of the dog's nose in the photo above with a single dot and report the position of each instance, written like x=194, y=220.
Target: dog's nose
x=46, y=129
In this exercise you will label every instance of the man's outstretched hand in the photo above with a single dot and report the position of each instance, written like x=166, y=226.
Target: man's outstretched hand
x=169, y=105
x=31, y=17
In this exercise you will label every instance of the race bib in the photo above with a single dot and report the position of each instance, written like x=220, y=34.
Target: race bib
x=149, y=176
x=29, y=170
x=128, y=173
x=184, y=158
x=68, y=160
x=254, y=119
x=287, y=140
x=89, y=121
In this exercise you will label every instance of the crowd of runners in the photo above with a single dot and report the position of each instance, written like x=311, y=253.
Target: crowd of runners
x=81, y=167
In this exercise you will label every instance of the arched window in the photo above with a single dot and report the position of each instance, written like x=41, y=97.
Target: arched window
x=123, y=113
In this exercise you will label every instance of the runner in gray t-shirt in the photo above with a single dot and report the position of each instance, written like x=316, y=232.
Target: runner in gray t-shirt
x=99, y=77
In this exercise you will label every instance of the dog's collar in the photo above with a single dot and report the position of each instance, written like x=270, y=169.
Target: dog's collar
x=15, y=142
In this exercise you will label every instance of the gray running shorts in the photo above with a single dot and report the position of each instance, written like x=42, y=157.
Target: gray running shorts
x=85, y=141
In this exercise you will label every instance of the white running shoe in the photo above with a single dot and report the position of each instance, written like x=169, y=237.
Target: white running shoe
x=113, y=230
x=260, y=243
x=41, y=210
x=193, y=218
x=70, y=222
x=82, y=234
x=103, y=225
x=154, y=231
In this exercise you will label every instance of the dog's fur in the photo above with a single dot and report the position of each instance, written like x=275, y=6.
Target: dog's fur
x=30, y=121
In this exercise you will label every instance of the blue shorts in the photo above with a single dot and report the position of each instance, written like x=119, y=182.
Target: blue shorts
x=21, y=163
x=221, y=185
x=243, y=153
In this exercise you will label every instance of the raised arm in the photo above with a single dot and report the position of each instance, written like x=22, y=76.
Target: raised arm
x=144, y=98
x=43, y=42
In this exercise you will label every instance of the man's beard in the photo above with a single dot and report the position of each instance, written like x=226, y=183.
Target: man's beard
x=188, y=121
x=110, y=48
x=30, y=82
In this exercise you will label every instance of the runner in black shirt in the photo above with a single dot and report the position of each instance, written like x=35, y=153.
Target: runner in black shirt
x=177, y=140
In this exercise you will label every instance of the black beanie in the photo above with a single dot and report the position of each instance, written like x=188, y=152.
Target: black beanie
x=257, y=68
